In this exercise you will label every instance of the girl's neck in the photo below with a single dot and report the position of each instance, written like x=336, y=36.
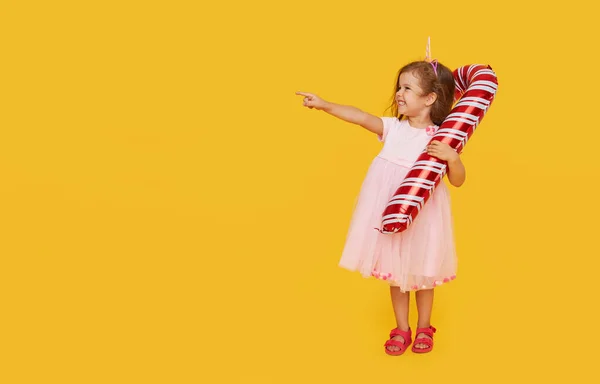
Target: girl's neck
x=420, y=122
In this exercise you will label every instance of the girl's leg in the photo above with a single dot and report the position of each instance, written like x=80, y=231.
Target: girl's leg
x=400, y=301
x=424, y=308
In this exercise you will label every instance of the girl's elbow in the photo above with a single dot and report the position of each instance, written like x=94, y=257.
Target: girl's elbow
x=457, y=183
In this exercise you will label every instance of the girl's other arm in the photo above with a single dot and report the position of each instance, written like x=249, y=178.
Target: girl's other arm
x=456, y=172
x=456, y=169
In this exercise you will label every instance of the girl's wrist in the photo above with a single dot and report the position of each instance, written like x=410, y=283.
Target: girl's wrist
x=454, y=161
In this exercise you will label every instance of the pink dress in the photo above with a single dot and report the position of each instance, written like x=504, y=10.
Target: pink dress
x=421, y=257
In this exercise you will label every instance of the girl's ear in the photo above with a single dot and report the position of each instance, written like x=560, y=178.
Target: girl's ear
x=431, y=98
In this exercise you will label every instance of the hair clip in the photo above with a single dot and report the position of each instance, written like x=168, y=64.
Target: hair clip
x=434, y=64
x=428, y=58
x=428, y=49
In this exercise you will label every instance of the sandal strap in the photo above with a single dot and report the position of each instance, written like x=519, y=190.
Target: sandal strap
x=398, y=332
x=423, y=340
x=429, y=331
x=396, y=343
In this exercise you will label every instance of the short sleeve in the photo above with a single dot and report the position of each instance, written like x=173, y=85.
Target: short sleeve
x=388, y=123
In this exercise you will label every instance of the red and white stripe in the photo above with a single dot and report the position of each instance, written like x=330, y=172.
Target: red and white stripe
x=476, y=87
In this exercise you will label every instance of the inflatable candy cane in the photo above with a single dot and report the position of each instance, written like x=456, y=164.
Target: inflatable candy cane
x=476, y=87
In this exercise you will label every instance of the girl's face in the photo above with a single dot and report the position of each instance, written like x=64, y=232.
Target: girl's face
x=410, y=98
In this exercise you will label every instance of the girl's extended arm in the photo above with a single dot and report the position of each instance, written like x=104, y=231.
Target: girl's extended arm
x=347, y=113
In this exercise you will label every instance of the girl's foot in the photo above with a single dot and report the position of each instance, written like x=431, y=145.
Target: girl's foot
x=424, y=340
x=398, y=342
x=420, y=337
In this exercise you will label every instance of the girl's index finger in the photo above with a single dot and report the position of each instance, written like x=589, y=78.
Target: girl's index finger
x=303, y=94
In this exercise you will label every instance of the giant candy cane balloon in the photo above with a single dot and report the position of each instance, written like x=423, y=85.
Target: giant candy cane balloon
x=476, y=87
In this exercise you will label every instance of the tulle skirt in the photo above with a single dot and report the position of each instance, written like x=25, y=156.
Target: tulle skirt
x=421, y=257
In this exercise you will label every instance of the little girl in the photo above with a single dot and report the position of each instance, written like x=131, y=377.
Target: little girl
x=422, y=256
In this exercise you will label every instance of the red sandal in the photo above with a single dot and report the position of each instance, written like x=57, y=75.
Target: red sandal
x=429, y=331
x=397, y=343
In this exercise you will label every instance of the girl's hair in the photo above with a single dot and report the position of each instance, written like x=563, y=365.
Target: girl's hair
x=441, y=84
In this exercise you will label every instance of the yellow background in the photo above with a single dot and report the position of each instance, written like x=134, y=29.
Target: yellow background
x=170, y=213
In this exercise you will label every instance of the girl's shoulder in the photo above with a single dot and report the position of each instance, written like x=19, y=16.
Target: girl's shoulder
x=391, y=120
x=390, y=124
